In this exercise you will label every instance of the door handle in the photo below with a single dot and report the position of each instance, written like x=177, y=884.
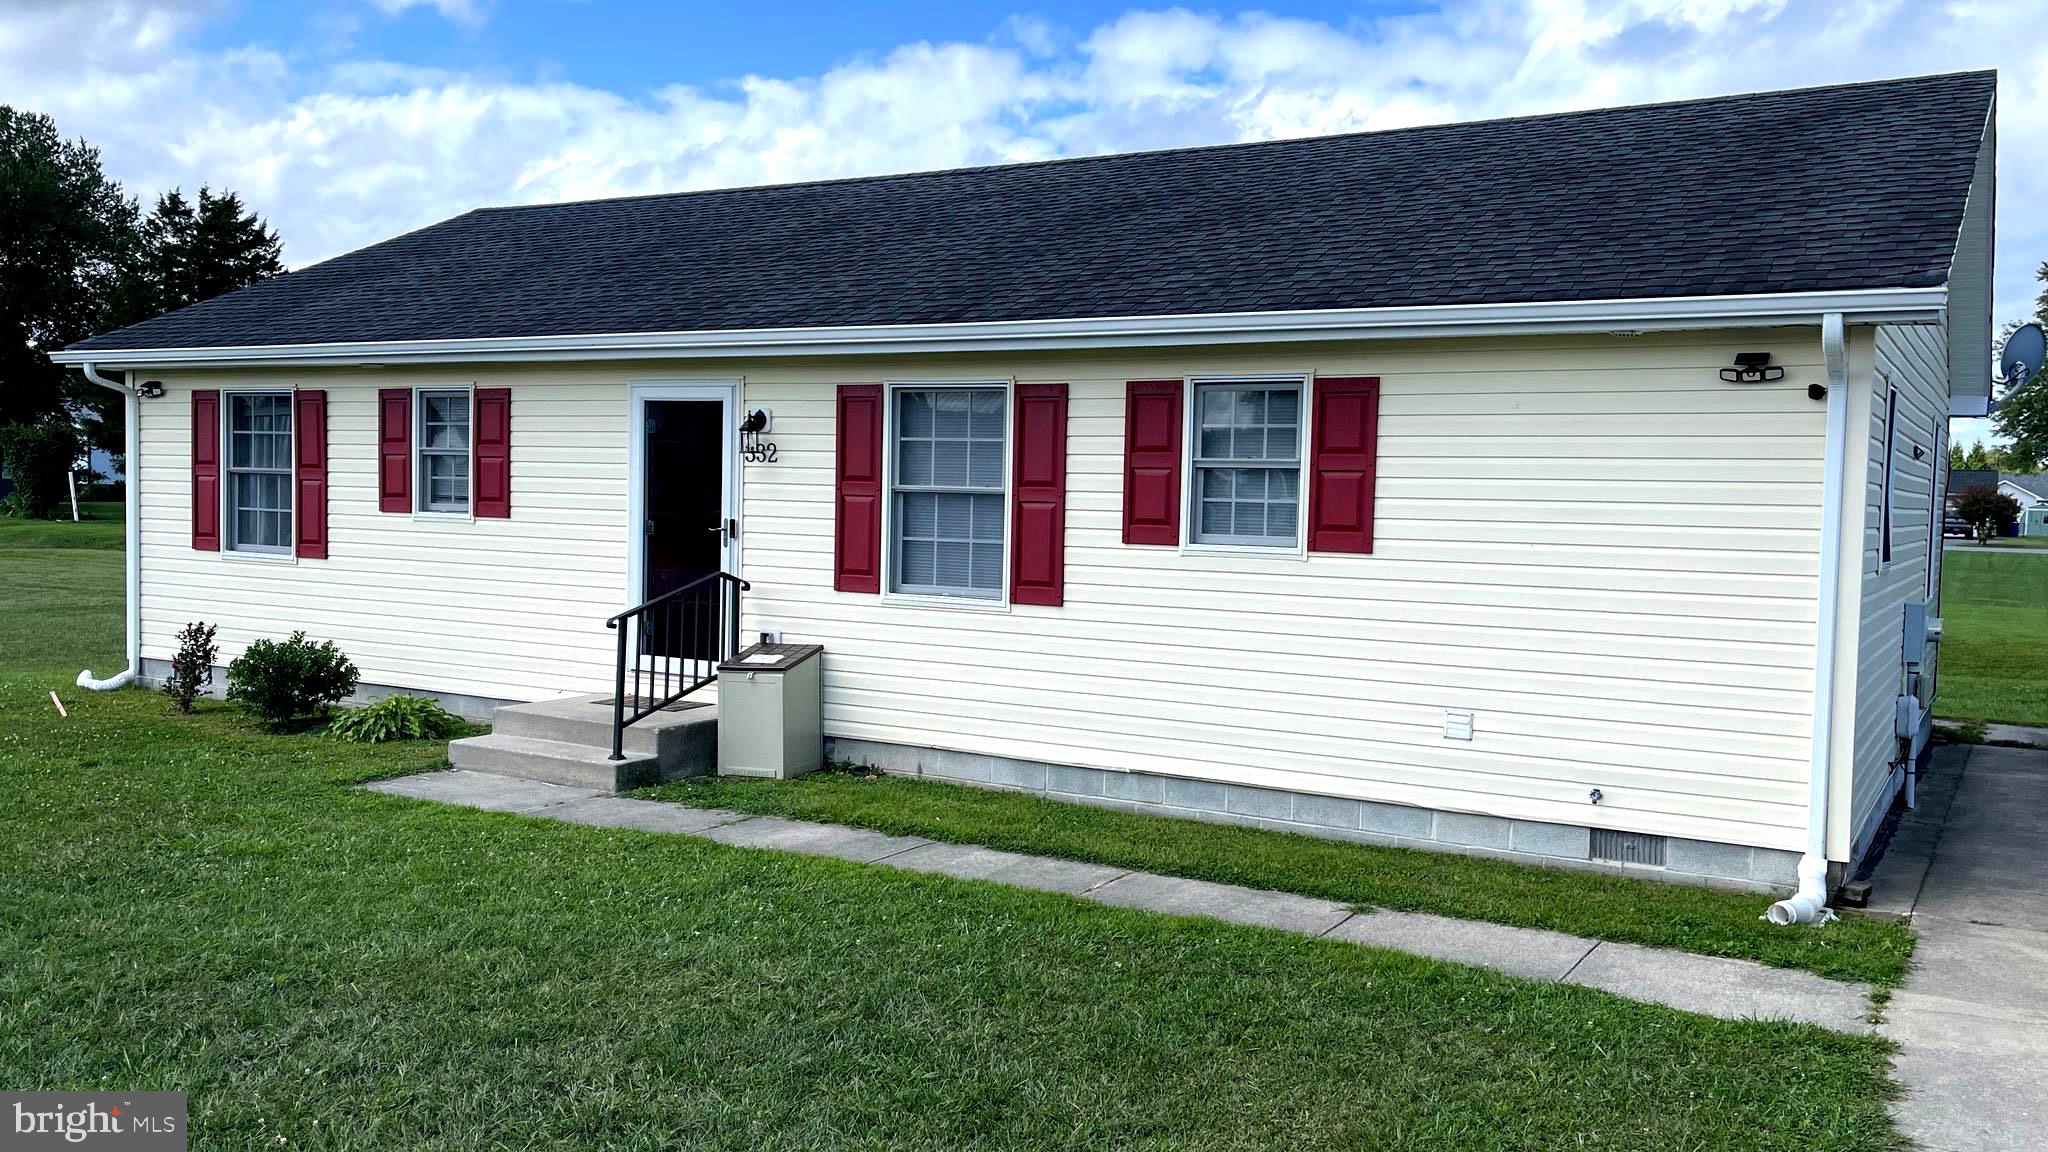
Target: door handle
x=728, y=528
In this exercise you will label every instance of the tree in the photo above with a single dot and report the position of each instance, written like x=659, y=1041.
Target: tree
x=2023, y=410
x=1988, y=510
x=188, y=252
x=65, y=233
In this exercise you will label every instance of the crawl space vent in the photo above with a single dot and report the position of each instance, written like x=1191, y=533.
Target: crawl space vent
x=1628, y=847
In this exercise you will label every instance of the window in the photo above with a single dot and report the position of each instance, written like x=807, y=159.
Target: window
x=444, y=452
x=947, y=485
x=1891, y=431
x=1247, y=464
x=260, y=472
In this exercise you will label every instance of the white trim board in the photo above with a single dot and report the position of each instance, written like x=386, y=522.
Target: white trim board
x=1862, y=306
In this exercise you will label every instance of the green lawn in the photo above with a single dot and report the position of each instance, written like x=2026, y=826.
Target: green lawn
x=1584, y=903
x=1994, y=644
x=193, y=905
x=101, y=527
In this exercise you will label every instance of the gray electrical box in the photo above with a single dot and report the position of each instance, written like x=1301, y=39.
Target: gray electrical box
x=768, y=712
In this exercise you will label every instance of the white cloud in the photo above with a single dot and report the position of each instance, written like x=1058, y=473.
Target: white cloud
x=341, y=151
x=470, y=12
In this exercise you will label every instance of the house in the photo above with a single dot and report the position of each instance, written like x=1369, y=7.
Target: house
x=2031, y=491
x=1559, y=487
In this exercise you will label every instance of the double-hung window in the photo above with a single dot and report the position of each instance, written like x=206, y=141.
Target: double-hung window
x=1247, y=463
x=444, y=451
x=259, y=488
x=947, y=487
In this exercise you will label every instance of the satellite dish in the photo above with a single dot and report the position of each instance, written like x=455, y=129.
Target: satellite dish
x=2024, y=351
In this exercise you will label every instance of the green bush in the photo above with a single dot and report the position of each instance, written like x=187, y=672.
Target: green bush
x=192, y=667
x=291, y=681
x=396, y=718
x=38, y=456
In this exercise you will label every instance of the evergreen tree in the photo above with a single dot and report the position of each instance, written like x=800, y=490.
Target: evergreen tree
x=66, y=231
x=2023, y=410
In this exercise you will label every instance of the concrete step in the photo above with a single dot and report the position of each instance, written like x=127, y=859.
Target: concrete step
x=554, y=762
x=686, y=741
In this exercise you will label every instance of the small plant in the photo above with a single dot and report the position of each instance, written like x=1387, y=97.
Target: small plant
x=396, y=718
x=290, y=681
x=192, y=667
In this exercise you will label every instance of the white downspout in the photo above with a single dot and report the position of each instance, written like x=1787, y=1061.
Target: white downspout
x=1809, y=903
x=134, y=515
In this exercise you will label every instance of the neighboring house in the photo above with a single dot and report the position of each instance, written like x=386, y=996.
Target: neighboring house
x=2032, y=494
x=1386, y=483
x=2028, y=490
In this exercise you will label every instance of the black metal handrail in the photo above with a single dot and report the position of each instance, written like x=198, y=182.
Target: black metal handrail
x=676, y=641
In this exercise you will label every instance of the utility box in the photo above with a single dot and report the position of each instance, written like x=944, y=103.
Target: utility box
x=768, y=712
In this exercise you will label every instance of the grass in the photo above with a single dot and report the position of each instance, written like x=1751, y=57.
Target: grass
x=2020, y=542
x=1609, y=907
x=1994, y=644
x=193, y=905
x=101, y=528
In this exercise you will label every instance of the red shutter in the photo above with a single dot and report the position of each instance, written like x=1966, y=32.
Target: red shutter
x=394, y=449
x=1345, y=426
x=493, y=465
x=1152, y=430
x=1038, y=495
x=205, y=470
x=857, y=530
x=309, y=447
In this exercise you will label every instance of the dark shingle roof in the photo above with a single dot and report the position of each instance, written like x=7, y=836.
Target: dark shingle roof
x=1855, y=186
x=2036, y=485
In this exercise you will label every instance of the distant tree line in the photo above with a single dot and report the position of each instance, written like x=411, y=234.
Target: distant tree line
x=78, y=256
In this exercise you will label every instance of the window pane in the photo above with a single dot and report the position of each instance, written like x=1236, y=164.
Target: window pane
x=988, y=567
x=949, y=463
x=956, y=516
x=949, y=414
x=1248, y=444
x=920, y=515
x=919, y=563
x=985, y=464
x=987, y=415
x=1215, y=444
x=916, y=414
x=1215, y=518
x=988, y=518
x=1283, y=406
x=914, y=464
x=1216, y=407
x=1281, y=518
x=1283, y=443
x=1215, y=483
x=1251, y=519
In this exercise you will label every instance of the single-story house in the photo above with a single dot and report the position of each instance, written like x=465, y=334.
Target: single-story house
x=1562, y=487
x=2028, y=490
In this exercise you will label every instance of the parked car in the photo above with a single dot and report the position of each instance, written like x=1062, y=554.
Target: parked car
x=1954, y=525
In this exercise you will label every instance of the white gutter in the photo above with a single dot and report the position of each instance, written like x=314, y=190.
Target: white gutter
x=1809, y=902
x=134, y=516
x=1869, y=306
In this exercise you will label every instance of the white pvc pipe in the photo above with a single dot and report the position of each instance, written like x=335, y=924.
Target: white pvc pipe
x=134, y=550
x=1809, y=902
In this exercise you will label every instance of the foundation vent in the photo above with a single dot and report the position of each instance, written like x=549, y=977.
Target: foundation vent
x=1628, y=847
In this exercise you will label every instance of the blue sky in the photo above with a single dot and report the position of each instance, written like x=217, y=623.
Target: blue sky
x=348, y=121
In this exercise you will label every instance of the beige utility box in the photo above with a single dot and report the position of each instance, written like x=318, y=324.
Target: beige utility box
x=768, y=712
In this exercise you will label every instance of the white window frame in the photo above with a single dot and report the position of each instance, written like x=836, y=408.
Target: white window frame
x=1190, y=436
x=230, y=548
x=1886, y=513
x=420, y=510
x=961, y=601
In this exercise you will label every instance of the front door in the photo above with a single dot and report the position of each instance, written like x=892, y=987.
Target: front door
x=687, y=527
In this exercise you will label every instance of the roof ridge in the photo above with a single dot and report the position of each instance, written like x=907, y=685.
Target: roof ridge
x=1237, y=145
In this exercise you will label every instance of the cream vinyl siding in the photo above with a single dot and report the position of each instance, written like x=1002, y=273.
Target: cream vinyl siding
x=505, y=609
x=1912, y=359
x=1605, y=552
x=1592, y=542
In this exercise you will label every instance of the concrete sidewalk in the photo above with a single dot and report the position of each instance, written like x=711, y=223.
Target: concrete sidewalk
x=1713, y=986
x=1970, y=866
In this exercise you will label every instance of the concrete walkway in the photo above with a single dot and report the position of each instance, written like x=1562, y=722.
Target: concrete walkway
x=1732, y=989
x=1970, y=866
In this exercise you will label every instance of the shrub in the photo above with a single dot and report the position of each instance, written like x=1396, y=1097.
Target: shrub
x=396, y=718
x=192, y=667
x=290, y=681
x=38, y=456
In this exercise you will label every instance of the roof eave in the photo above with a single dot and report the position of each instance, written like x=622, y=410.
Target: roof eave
x=1861, y=306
